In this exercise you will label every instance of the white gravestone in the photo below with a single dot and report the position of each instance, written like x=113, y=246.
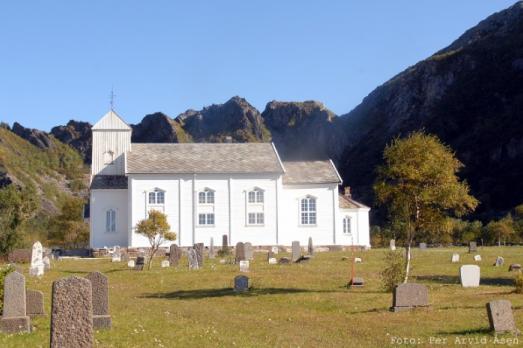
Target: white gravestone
x=470, y=276
x=357, y=260
x=477, y=258
x=165, y=263
x=273, y=261
x=275, y=250
x=131, y=264
x=455, y=258
x=37, y=262
x=392, y=244
x=117, y=255
x=244, y=266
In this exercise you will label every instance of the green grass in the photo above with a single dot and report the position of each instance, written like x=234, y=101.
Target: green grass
x=299, y=305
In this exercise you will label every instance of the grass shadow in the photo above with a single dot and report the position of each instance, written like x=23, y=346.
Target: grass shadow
x=85, y=272
x=481, y=331
x=448, y=279
x=210, y=293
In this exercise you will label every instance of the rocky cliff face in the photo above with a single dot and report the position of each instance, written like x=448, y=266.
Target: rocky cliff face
x=76, y=134
x=36, y=137
x=158, y=128
x=470, y=94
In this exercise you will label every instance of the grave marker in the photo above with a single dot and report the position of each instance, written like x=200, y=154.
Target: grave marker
x=240, y=252
x=500, y=316
x=273, y=261
x=423, y=246
x=100, y=300
x=499, y=261
x=455, y=258
x=211, y=249
x=174, y=255
x=310, y=247
x=34, y=303
x=37, y=263
x=131, y=264
x=198, y=248
x=248, y=251
x=470, y=276
x=514, y=267
x=241, y=283
x=192, y=258
x=408, y=296
x=140, y=262
x=225, y=243
x=47, y=263
x=14, y=317
x=296, y=251
x=392, y=244
x=244, y=266
x=165, y=264
x=117, y=255
x=477, y=258
x=473, y=247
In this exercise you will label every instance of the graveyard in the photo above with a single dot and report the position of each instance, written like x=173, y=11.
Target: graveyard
x=304, y=304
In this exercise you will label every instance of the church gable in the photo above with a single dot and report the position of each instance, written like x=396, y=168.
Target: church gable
x=111, y=121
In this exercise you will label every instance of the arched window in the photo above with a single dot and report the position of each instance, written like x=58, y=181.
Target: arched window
x=256, y=196
x=308, y=210
x=206, y=196
x=206, y=207
x=110, y=220
x=108, y=157
x=346, y=225
x=157, y=196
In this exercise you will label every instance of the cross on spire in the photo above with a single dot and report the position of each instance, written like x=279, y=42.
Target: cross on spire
x=112, y=95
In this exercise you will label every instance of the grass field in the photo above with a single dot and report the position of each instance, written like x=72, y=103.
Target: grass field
x=299, y=305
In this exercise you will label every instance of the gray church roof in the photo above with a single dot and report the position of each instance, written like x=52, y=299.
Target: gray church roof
x=310, y=172
x=203, y=158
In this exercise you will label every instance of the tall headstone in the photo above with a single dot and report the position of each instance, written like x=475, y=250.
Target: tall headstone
x=455, y=258
x=72, y=313
x=392, y=244
x=37, y=262
x=14, y=317
x=175, y=254
x=241, y=283
x=470, y=276
x=296, y=251
x=211, y=248
x=34, y=303
x=225, y=243
x=310, y=247
x=248, y=251
x=408, y=296
x=117, y=254
x=473, y=247
x=240, y=252
x=500, y=316
x=192, y=258
x=140, y=262
x=100, y=293
x=198, y=247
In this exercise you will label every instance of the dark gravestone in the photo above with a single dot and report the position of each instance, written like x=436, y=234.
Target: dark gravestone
x=270, y=255
x=408, y=296
x=198, y=247
x=34, y=303
x=241, y=283
x=296, y=251
x=310, y=247
x=192, y=258
x=72, y=313
x=500, y=316
x=174, y=255
x=284, y=261
x=240, y=252
x=100, y=293
x=248, y=251
x=225, y=243
x=357, y=282
x=211, y=249
x=473, y=247
x=140, y=262
x=14, y=316
x=514, y=267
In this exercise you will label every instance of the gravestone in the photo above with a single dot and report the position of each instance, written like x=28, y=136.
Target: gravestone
x=140, y=262
x=117, y=254
x=131, y=264
x=192, y=258
x=284, y=261
x=100, y=300
x=273, y=261
x=14, y=318
x=470, y=276
x=296, y=251
x=165, y=264
x=270, y=255
x=175, y=254
x=240, y=252
x=357, y=260
x=37, y=263
x=225, y=243
x=500, y=316
x=198, y=247
x=248, y=251
x=473, y=247
x=408, y=296
x=244, y=266
x=499, y=261
x=514, y=267
x=392, y=244
x=34, y=303
x=423, y=246
x=125, y=256
x=357, y=282
x=455, y=258
x=275, y=250
x=477, y=258
x=72, y=313
x=47, y=263
x=310, y=247
x=241, y=283
x=211, y=249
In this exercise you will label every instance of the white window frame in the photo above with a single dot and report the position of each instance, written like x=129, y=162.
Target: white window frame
x=255, y=207
x=347, y=227
x=209, y=196
x=209, y=219
x=206, y=207
x=311, y=216
x=110, y=220
x=156, y=194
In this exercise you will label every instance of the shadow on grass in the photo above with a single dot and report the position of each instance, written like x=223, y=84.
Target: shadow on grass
x=482, y=331
x=447, y=279
x=85, y=272
x=209, y=293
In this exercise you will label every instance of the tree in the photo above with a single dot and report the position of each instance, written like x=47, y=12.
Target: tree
x=157, y=230
x=501, y=229
x=17, y=205
x=419, y=186
x=68, y=229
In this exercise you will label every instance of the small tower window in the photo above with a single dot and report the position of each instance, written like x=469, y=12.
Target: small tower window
x=108, y=157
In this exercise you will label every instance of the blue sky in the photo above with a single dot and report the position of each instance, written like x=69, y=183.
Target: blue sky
x=60, y=59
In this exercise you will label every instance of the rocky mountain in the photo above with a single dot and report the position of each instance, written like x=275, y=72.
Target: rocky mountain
x=76, y=134
x=470, y=94
x=159, y=128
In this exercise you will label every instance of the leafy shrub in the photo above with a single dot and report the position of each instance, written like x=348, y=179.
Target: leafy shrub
x=4, y=271
x=519, y=282
x=394, y=271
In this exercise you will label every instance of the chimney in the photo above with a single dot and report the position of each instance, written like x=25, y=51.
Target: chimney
x=347, y=192
x=228, y=139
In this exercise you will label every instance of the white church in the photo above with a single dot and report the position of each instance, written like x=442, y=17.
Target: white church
x=244, y=191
